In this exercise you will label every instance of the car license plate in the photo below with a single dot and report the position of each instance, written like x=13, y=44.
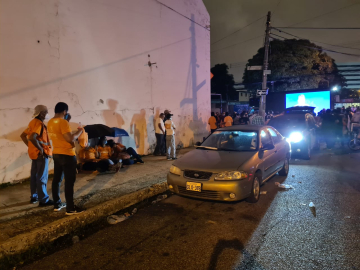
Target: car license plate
x=193, y=186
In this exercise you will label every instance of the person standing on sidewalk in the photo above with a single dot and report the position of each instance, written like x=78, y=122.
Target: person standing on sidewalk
x=212, y=122
x=64, y=158
x=39, y=149
x=170, y=138
x=160, y=135
x=228, y=121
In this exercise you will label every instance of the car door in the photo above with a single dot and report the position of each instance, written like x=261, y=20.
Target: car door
x=280, y=150
x=268, y=157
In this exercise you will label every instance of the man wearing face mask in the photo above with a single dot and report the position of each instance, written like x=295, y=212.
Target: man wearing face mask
x=37, y=140
x=64, y=158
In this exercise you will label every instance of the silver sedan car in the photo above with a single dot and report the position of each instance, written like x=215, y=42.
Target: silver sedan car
x=231, y=164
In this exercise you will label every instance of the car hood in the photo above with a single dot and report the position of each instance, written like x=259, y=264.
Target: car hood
x=213, y=161
x=288, y=130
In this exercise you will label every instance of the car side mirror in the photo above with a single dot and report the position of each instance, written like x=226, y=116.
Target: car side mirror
x=197, y=143
x=268, y=146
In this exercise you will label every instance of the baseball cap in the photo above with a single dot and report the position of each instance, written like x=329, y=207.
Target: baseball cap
x=38, y=109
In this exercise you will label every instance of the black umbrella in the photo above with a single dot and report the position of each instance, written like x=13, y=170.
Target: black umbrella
x=99, y=130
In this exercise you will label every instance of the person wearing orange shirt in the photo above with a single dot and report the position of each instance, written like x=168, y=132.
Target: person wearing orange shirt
x=212, y=122
x=228, y=121
x=39, y=149
x=64, y=158
x=120, y=152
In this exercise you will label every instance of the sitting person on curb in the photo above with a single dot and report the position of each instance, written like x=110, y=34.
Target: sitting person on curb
x=120, y=152
x=104, y=153
x=88, y=158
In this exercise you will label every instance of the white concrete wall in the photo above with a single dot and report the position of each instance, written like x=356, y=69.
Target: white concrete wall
x=92, y=54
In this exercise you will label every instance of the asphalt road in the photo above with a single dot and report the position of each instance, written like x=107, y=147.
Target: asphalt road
x=278, y=232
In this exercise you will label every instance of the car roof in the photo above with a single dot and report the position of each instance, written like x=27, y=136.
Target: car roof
x=243, y=128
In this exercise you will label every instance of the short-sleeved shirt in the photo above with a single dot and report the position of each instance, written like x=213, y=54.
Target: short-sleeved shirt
x=157, y=129
x=169, y=126
x=212, y=122
x=57, y=127
x=228, y=121
x=34, y=126
x=257, y=120
x=87, y=153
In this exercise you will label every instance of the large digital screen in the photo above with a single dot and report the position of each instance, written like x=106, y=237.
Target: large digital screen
x=319, y=100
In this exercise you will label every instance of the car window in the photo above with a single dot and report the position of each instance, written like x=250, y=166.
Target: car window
x=232, y=140
x=265, y=138
x=275, y=137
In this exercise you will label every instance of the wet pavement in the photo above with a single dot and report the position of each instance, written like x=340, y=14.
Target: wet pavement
x=278, y=232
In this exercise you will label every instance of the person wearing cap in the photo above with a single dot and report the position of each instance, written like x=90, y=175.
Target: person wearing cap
x=65, y=163
x=39, y=149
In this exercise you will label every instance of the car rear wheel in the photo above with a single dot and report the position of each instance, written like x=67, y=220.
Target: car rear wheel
x=285, y=169
x=255, y=190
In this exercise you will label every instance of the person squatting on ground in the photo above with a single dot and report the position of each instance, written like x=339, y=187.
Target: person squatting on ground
x=128, y=155
x=160, y=136
x=64, y=158
x=104, y=153
x=39, y=149
x=170, y=138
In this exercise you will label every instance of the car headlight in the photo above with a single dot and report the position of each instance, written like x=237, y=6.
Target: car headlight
x=175, y=170
x=295, y=137
x=235, y=175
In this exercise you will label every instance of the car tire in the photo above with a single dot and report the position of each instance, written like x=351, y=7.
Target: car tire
x=255, y=190
x=285, y=169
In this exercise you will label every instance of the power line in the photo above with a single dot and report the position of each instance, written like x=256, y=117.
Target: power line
x=319, y=49
x=325, y=14
x=238, y=43
x=320, y=28
x=238, y=30
x=183, y=15
x=281, y=31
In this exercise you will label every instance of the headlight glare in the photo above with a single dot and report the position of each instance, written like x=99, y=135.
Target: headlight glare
x=175, y=170
x=296, y=137
x=234, y=175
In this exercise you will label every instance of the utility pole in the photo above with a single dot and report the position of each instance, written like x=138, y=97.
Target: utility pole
x=262, y=105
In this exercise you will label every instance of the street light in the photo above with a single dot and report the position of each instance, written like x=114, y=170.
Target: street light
x=335, y=88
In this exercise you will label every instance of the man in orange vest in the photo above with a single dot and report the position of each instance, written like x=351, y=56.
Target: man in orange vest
x=37, y=140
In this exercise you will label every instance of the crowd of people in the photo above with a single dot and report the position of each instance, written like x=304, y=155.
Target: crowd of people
x=57, y=141
x=219, y=120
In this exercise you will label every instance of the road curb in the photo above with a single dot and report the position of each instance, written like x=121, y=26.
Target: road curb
x=46, y=234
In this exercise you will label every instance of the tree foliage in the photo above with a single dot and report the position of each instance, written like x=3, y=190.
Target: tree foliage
x=294, y=64
x=222, y=81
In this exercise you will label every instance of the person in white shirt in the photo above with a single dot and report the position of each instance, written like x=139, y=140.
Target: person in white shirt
x=160, y=136
x=170, y=138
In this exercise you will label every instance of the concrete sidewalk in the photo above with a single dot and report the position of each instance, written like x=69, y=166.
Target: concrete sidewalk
x=23, y=225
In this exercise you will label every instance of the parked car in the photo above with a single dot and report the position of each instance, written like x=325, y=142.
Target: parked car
x=298, y=125
x=231, y=164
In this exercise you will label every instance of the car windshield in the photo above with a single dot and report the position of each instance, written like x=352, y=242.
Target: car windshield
x=231, y=141
x=287, y=122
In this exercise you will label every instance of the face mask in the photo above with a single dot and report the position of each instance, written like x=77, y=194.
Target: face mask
x=47, y=116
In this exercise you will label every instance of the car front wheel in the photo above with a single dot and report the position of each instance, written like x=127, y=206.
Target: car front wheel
x=255, y=191
x=285, y=169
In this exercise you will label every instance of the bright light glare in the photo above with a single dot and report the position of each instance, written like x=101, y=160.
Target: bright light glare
x=335, y=88
x=295, y=137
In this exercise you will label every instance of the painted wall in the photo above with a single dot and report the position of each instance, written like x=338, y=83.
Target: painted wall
x=93, y=55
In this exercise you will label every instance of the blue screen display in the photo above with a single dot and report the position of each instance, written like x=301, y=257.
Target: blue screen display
x=319, y=100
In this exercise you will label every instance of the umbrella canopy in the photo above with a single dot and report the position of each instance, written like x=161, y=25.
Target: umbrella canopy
x=99, y=130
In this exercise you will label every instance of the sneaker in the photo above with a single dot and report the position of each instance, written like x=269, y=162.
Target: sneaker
x=48, y=203
x=34, y=201
x=140, y=161
x=169, y=158
x=174, y=158
x=59, y=206
x=77, y=210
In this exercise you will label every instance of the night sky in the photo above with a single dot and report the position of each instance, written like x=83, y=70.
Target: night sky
x=228, y=16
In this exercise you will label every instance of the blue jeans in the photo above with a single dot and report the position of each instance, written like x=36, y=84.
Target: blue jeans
x=64, y=165
x=39, y=179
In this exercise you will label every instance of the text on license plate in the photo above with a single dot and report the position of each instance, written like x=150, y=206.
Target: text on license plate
x=193, y=186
